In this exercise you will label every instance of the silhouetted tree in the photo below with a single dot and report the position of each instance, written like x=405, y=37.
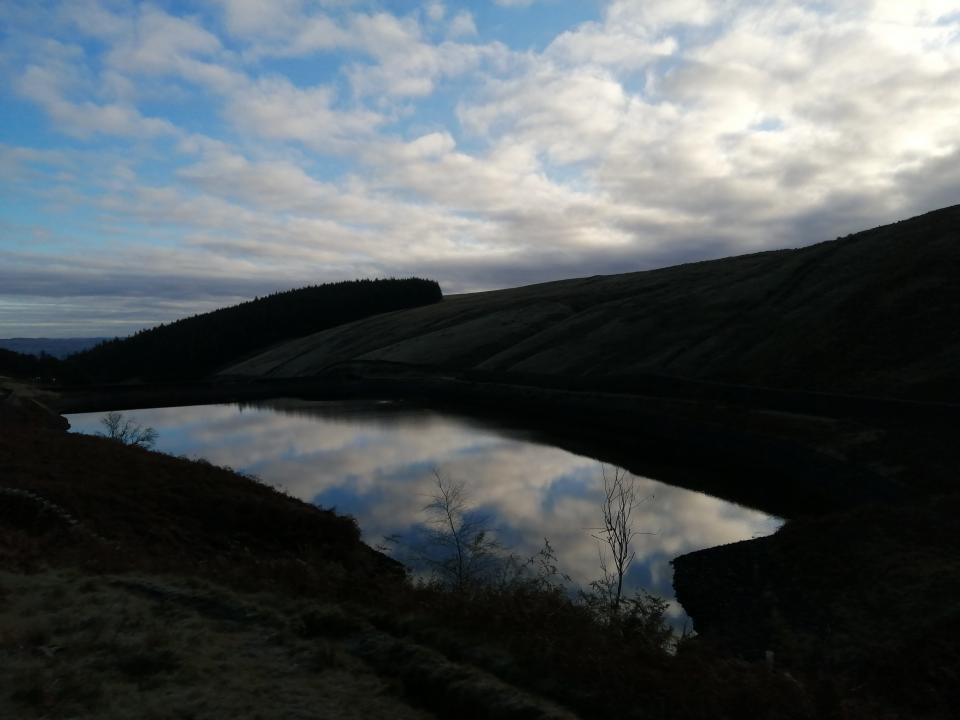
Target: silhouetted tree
x=127, y=431
x=197, y=346
x=620, y=499
x=459, y=546
x=28, y=367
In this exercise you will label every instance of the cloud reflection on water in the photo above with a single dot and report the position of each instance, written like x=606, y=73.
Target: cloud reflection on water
x=376, y=461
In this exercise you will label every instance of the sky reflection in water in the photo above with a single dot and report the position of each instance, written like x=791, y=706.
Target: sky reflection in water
x=377, y=461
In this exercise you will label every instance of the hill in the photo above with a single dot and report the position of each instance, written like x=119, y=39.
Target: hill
x=194, y=347
x=22, y=365
x=872, y=313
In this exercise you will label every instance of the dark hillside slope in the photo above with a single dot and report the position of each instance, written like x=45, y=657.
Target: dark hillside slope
x=21, y=365
x=874, y=313
x=191, y=348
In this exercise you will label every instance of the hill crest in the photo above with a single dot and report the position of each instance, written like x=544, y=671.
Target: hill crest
x=871, y=313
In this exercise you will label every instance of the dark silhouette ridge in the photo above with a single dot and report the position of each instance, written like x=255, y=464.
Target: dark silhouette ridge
x=194, y=347
x=15, y=364
x=872, y=313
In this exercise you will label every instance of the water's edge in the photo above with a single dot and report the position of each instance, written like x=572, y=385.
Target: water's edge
x=700, y=446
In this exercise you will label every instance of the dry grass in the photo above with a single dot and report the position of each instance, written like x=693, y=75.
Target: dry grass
x=74, y=645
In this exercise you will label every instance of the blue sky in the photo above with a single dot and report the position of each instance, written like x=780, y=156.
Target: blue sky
x=165, y=158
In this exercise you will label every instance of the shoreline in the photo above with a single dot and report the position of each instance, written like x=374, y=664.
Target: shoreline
x=784, y=463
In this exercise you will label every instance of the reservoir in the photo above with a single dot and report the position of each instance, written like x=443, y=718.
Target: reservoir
x=379, y=462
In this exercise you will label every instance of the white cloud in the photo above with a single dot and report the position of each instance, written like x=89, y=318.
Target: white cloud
x=49, y=86
x=650, y=17
x=159, y=42
x=569, y=115
x=406, y=64
x=247, y=18
x=318, y=33
x=462, y=25
x=91, y=18
x=275, y=108
x=274, y=185
x=596, y=45
x=435, y=11
x=427, y=146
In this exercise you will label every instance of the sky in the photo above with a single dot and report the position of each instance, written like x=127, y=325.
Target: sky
x=167, y=158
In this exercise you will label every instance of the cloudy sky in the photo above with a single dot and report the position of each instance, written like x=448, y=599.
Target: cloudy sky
x=164, y=158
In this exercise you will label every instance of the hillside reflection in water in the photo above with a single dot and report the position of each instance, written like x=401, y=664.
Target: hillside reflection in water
x=375, y=461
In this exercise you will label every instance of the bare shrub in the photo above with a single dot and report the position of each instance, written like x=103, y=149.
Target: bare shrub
x=127, y=431
x=460, y=546
x=615, y=537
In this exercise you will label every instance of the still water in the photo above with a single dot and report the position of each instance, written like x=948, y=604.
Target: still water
x=377, y=462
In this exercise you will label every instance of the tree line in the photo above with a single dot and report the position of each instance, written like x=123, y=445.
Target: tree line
x=194, y=347
x=20, y=365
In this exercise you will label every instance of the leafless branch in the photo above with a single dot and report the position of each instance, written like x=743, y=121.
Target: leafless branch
x=620, y=499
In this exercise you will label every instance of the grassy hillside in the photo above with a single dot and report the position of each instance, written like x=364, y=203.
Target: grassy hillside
x=871, y=313
x=193, y=347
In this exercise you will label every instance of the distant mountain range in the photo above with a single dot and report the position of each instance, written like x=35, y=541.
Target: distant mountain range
x=874, y=313
x=57, y=347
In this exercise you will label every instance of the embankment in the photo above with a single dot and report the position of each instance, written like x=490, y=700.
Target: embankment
x=869, y=594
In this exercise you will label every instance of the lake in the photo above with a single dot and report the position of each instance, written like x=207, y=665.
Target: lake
x=378, y=461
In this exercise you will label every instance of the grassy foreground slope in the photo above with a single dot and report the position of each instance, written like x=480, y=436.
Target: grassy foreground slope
x=872, y=313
